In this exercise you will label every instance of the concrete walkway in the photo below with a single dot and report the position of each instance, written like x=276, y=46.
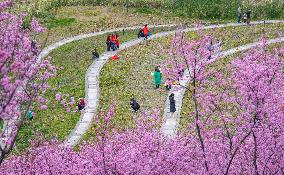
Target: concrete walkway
x=56, y=45
x=8, y=125
x=92, y=85
x=92, y=82
x=170, y=125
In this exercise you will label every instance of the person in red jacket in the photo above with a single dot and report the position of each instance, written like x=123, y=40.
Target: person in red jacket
x=116, y=39
x=146, y=31
x=113, y=42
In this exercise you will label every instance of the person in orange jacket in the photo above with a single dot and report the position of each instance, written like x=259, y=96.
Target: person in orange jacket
x=146, y=31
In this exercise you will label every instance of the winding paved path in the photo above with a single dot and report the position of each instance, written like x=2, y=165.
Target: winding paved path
x=92, y=75
x=170, y=125
x=92, y=81
x=48, y=50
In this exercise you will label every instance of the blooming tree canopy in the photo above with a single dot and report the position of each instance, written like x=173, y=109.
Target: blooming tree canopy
x=23, y=77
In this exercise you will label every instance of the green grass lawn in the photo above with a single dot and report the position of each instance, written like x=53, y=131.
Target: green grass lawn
x=75, y=58
x=121, y=80
x=131, y=75
x=73, y=20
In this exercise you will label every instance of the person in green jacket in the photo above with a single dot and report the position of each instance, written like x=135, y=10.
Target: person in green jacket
x=157, y=77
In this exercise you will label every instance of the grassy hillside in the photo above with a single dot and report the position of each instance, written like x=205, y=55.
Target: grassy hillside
x=197, y=9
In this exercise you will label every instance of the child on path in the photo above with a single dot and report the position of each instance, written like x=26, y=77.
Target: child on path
x=172, y=104
x=134, y=105
x=157, y=77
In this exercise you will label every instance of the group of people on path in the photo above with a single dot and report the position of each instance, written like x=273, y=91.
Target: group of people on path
x=144, y=32
x=157, y=76
x=245, y=16
x=158, y=80
x=112, y=42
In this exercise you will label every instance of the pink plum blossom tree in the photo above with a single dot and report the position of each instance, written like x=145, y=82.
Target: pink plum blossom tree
x=23, y=78
x=238, y=118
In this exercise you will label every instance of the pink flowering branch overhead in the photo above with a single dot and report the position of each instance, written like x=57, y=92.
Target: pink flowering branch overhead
x=23, y=78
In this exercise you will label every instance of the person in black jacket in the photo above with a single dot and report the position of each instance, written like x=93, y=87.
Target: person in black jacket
x=108, y=42
x=248, y=16
x=134, y=104
x=140, y=34
x=95, y=54
x=172, y=104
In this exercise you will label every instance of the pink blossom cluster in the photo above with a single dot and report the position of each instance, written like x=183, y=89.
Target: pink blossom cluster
x=36, y=26
x=68, y=105
x=5, y=4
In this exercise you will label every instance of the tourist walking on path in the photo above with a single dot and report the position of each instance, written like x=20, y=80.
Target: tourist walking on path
x=108, y=42
x=95, y=54
x=157, y=77
x=239, y=15
x=172, y=104
x=134, y=105
x=248, y=16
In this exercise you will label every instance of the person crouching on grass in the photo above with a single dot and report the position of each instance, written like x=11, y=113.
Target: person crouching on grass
x=81, y=105
x=134, y=105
